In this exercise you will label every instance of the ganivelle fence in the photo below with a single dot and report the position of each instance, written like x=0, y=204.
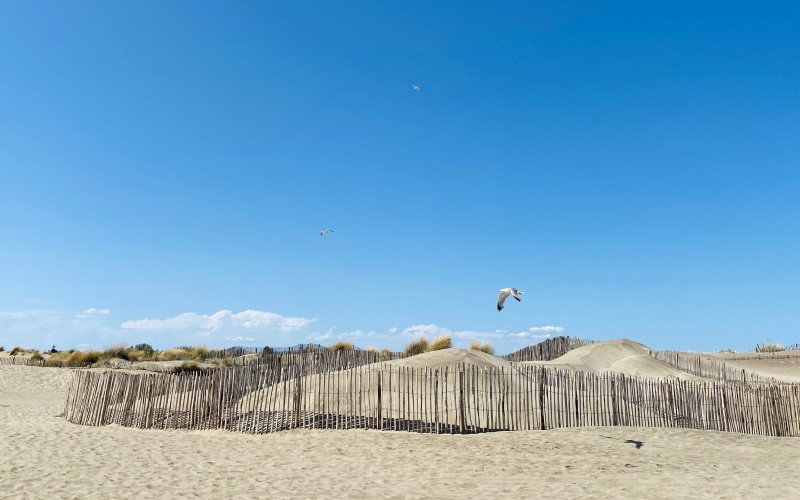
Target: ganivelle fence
x=21, y=361
x=262, y=397
x=548, y=349
x=701, y=366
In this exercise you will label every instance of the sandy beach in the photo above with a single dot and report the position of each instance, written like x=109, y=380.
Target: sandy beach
x=45, y=456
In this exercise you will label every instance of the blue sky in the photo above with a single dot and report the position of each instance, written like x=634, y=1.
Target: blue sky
x=166, y=167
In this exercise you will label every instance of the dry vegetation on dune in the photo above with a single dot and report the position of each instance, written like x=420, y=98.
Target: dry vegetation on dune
x=768, y=346
x=21, y=350
x=439, y=343
x=137, y=353
x=482, y=346
x=416, y=347
x=341, y=345
x=423, y=345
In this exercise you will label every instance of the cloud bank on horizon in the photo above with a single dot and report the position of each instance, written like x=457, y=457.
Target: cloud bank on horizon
x=94, y=328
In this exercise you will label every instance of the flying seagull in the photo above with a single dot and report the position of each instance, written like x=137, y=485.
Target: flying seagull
x=505, y=292
x=416, y=87
x=325, y=232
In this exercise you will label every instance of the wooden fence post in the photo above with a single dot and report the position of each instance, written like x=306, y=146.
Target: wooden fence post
x=614, y=414
x=541, y=372
x=461, y=409
x=379, y=423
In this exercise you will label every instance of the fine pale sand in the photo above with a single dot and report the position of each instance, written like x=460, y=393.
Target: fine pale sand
x=619, y=356
x=42, y=455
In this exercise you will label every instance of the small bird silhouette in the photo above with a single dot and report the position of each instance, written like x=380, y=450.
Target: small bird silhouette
x=325, y=232
x=504, y=293
x=416, y=87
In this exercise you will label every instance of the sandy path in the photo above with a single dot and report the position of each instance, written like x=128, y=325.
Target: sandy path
x=41, y=455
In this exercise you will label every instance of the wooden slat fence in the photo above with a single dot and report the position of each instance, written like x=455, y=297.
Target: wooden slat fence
x=20, y=360
x=701, y=366
x=313, y=361
x=453, y=399
x=547, y=350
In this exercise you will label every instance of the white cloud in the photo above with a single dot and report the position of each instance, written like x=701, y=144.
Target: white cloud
x=240, y=339
x=320, y=338
x=436, y=330
x=220, y=320
x=354, y=335
x=394, y=329
x=529, y=335
x=93, y=312
x=262, y=319
x=362, y=334
x=426, y=330
x=547, y=329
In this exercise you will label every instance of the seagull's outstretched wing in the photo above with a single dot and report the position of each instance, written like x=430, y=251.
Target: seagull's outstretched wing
x=505, y=292
x=325, y=231
x=416, y=87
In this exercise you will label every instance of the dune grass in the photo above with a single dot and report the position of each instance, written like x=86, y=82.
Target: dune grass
x=768, y=346
x=189, y=367
x=482, y=346
x=341, y=345
x=417, y=347
x=140, y=352
x=74, y=358
x=439, y=343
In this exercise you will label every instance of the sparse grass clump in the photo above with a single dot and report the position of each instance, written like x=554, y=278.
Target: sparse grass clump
x=768, y=346
x=17, y=350
x=724, y=351
x=439, y=343
x=136, y=355
x=482, y=346
x=197, y=353
x=76, y=359
x=222, y=362
x=172, y=355
x=386, y=352
x=116, y=351
x=201, y=352
x=341, y=345
x=417, y=347
x=36, y=356
x=188, y=367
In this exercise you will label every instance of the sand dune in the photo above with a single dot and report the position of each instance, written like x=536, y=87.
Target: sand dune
x=620, y=356
x=452, y=357
x=42, y=455
x=782, y=368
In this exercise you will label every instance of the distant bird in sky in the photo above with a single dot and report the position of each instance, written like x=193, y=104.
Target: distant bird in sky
x=416, y=87
x=325, y=232
x=505, y=292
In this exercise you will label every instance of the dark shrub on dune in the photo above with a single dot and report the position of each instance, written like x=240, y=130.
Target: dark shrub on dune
x=417, y=347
